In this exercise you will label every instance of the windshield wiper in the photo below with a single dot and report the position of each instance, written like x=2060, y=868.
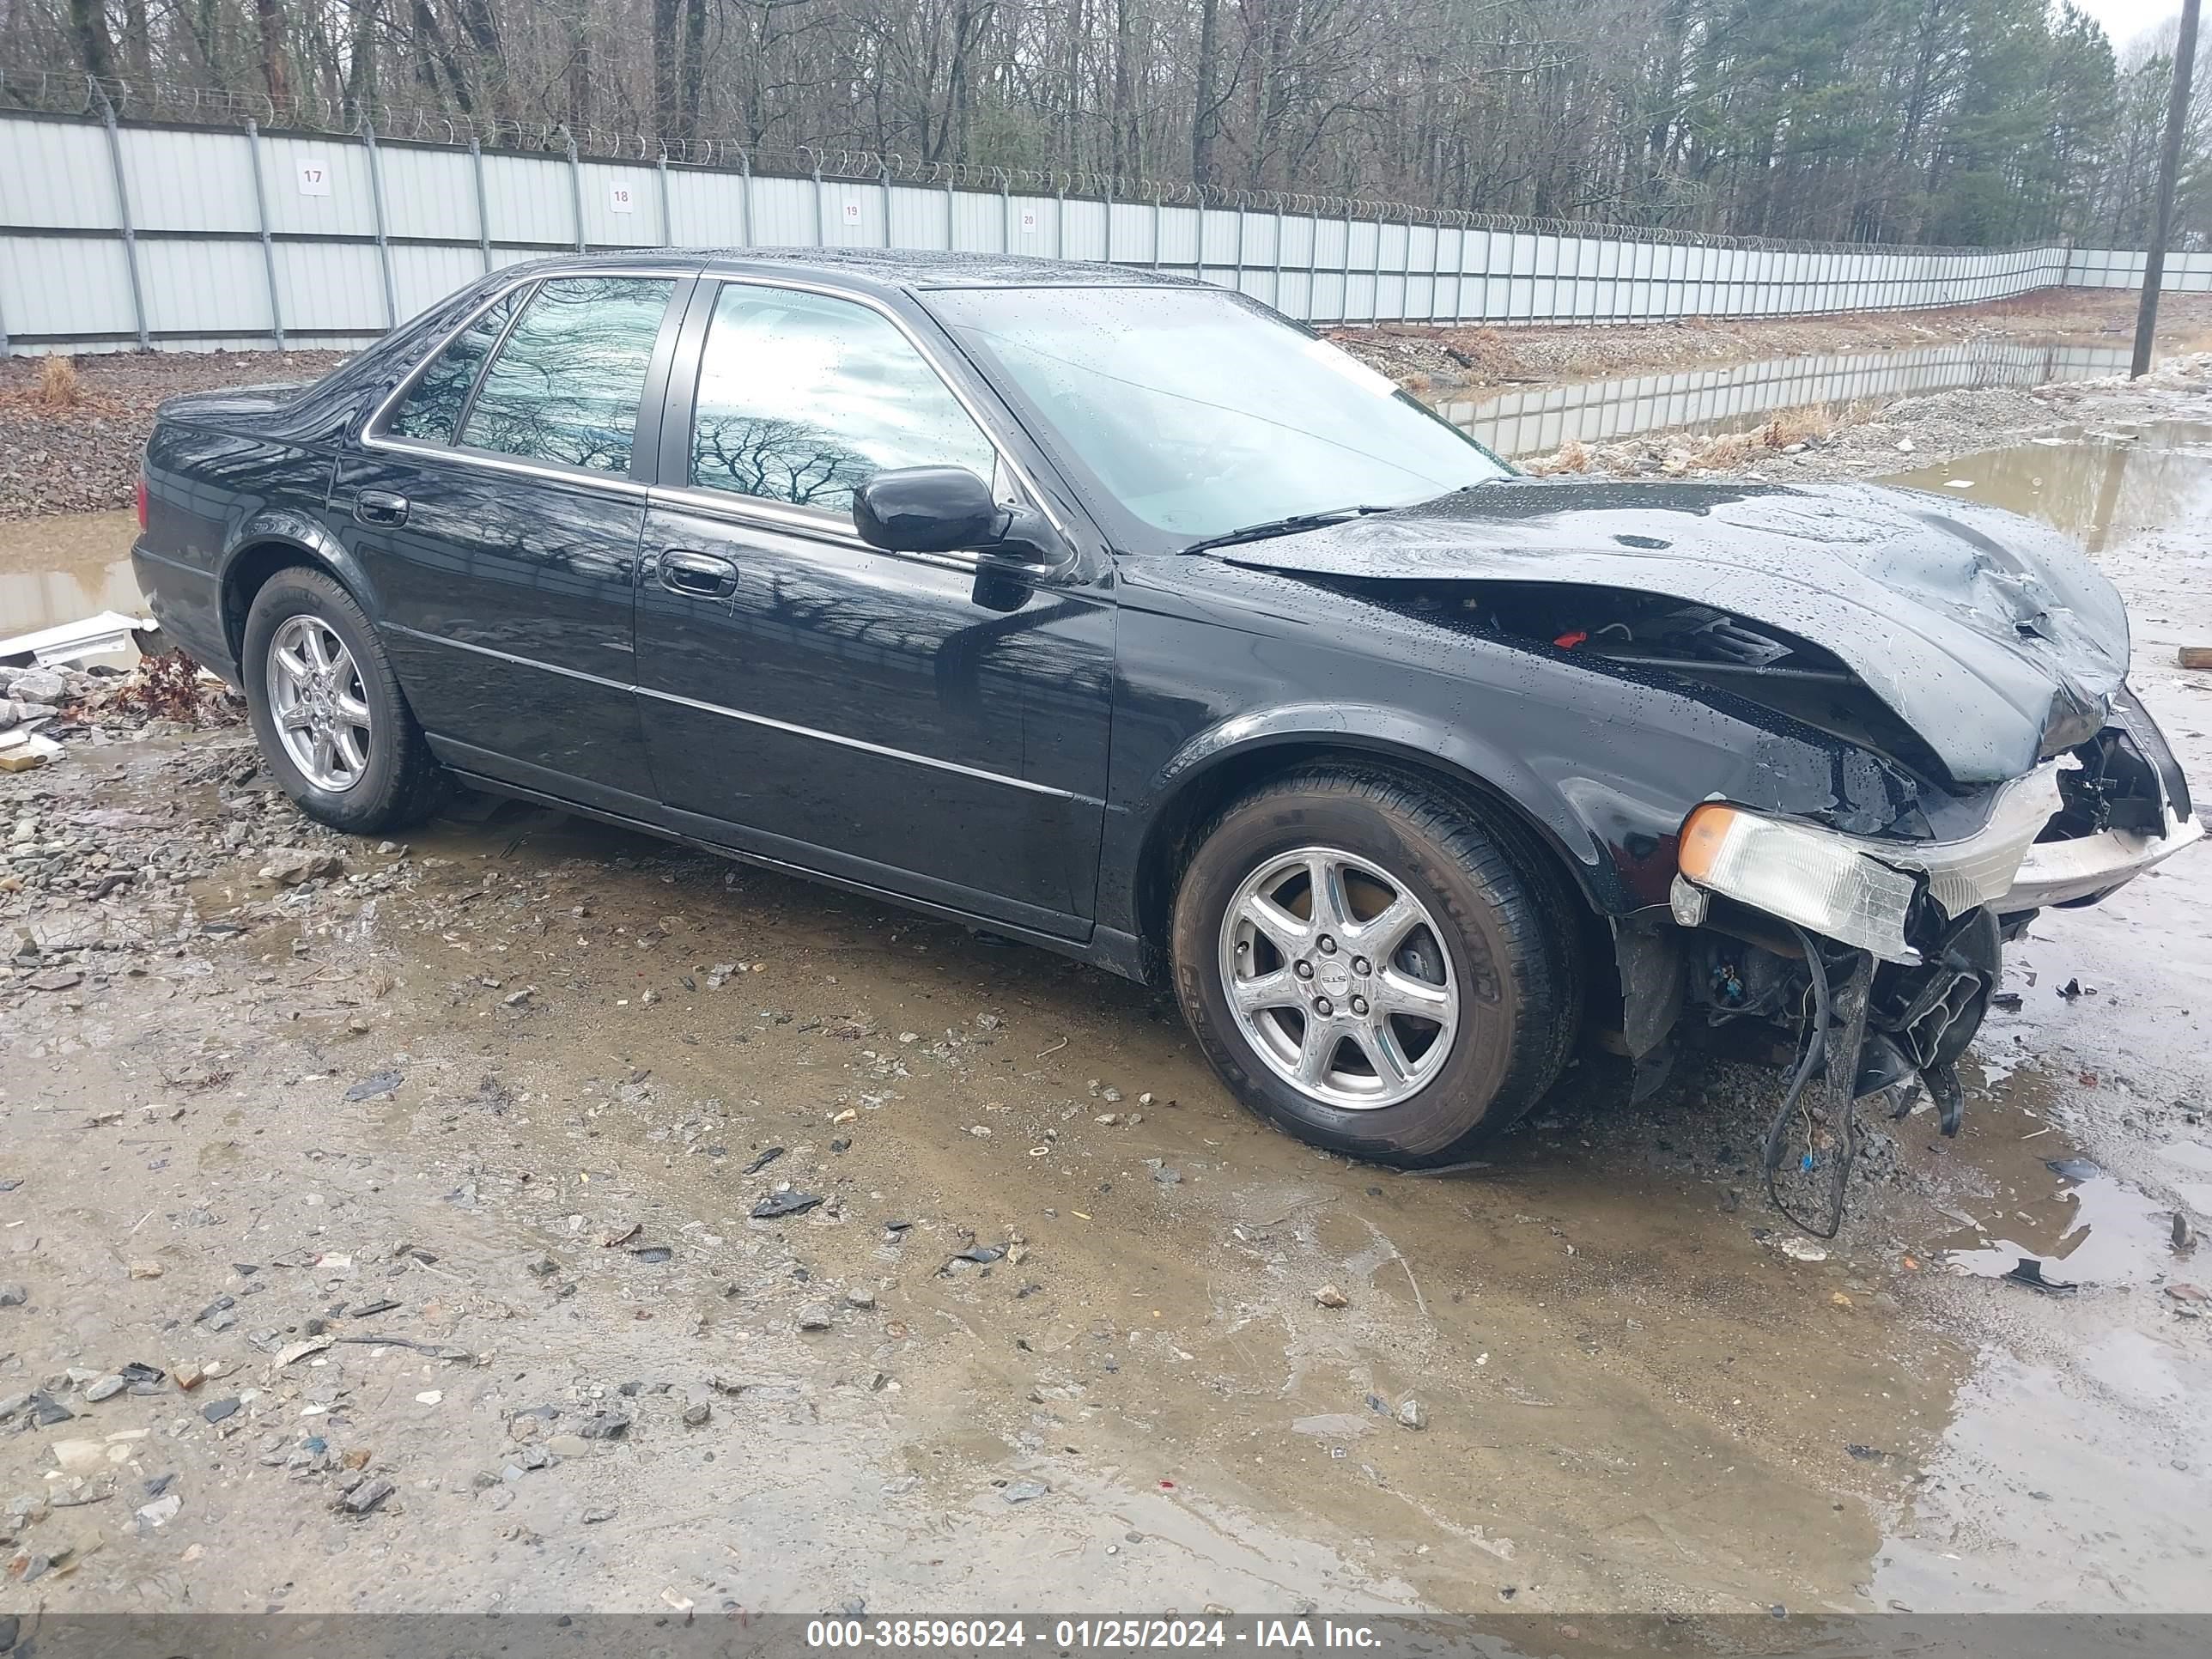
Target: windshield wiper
x=1290, y=526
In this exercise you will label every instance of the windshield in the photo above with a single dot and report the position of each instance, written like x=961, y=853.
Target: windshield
x=1202, y=413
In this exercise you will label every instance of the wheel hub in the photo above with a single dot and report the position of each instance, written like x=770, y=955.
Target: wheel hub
x=320, y=703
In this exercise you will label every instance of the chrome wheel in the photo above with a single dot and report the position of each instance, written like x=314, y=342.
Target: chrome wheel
x=1338, y=977
x=319, y=705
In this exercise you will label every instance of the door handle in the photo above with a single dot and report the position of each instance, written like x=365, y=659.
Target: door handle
x=379, y=507
x=697, y=576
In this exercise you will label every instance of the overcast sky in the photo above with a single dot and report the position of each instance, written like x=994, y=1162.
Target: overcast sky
x=2124, y=20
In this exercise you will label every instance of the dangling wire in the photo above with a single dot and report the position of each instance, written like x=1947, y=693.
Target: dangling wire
x=1812, y=1060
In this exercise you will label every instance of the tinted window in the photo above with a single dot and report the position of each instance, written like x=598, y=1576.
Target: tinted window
x=803, y=397
x=429, y=411
x=565, y=386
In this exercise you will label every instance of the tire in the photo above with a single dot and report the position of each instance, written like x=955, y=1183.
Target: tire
x=383, y=776
x=1495, y=944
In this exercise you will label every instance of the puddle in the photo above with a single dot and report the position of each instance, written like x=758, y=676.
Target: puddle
x=2102, y=485
x=59, y=569
x=1536, y=419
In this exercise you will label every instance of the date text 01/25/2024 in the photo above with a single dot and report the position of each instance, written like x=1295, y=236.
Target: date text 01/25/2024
x=1070, y=1635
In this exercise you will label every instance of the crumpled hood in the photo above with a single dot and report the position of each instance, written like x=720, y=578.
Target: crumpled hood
x=1991, y=634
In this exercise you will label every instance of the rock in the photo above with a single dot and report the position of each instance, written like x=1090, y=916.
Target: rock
x=365, y=1497
x=1905, y=446
x=594, y=1517
x=39, y=685
x=696, y=1414
x=567, y=1445
x=145, y=1269
x=543, y=1266
x=216, y=1411
x=80, y=1456
x=1412, y=1413
x=55, y=979
x=605, y=1425
x=374, y=1084
x=1024, y=1492
x=162, y=1511
x=289, y=867
x=1330, y=1297
x=814, y=1316
x=14, y=1296
x=187, y=1377
x=105, y=1388
x=860, y=1297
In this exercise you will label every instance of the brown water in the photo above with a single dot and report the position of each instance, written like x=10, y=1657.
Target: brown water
x=59, y=569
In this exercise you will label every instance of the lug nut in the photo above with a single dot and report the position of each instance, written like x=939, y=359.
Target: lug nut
x=1328, y=946
x=1359, y=1005
x=1322, y=1006
x=1305, y=971
x=1360, y=965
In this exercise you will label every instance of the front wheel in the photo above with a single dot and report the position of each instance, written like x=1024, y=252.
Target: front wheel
x=327, y=709
x=1371, y=971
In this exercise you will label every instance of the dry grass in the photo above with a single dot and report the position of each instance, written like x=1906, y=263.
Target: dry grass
x=59, y=385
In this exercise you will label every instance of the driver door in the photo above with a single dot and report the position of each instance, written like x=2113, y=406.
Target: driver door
x=903, y=721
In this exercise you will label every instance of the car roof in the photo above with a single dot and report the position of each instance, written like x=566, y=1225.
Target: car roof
x=889, y=268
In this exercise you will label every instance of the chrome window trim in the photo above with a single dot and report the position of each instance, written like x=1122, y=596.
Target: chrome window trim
x=807, y=516
x=373, y=436
x=838, y=739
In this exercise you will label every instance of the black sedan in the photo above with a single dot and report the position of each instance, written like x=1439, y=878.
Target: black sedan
x=1116, y=614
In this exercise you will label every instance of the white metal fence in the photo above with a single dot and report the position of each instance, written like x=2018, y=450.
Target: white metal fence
x=121, y=235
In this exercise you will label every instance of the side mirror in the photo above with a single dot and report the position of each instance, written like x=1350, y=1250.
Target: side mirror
x=948, y=509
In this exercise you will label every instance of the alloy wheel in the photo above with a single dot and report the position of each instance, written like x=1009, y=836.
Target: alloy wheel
x=319, y=704
x=1338, y=977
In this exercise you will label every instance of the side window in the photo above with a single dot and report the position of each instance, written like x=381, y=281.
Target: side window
x=803, y=397
x=429, y=411
x=565, y=386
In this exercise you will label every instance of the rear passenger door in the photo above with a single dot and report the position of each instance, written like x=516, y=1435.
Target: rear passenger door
x=496, y=507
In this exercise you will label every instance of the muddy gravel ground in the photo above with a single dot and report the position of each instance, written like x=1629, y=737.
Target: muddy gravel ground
x=526, y=1215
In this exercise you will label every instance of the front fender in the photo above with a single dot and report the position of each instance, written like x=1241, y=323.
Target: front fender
x=1398, y=734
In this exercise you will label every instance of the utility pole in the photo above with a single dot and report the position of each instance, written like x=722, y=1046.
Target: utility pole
x=2169, y=166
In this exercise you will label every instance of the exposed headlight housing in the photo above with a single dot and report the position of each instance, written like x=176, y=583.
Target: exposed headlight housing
x=1815, y=878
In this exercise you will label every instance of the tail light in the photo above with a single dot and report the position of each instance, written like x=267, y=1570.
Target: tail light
x=142, y=501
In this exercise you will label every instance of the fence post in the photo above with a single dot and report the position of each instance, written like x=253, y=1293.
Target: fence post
x=123, y=212
x=261, y=218
x=483, y=204
x=1059, y=223
x=1156, y=227
x=667, y=219
x=821, y=220
x=952, y=219
x=1005, y=211
x=887, y=204
x=746, y=200
x=383, y=240
x=1109, y=223
x=575, y=186
x=1240, y=240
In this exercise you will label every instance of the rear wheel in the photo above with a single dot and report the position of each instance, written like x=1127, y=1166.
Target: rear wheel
x=332, y=725
x=1371, y=970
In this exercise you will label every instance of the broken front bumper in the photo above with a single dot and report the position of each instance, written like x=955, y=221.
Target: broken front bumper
x=2090, y=866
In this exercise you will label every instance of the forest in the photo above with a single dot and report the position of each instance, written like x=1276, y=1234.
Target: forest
x=1940, y=121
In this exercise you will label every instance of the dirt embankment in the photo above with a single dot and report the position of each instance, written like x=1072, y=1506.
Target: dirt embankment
x=71, y=430
x=1431, y=361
